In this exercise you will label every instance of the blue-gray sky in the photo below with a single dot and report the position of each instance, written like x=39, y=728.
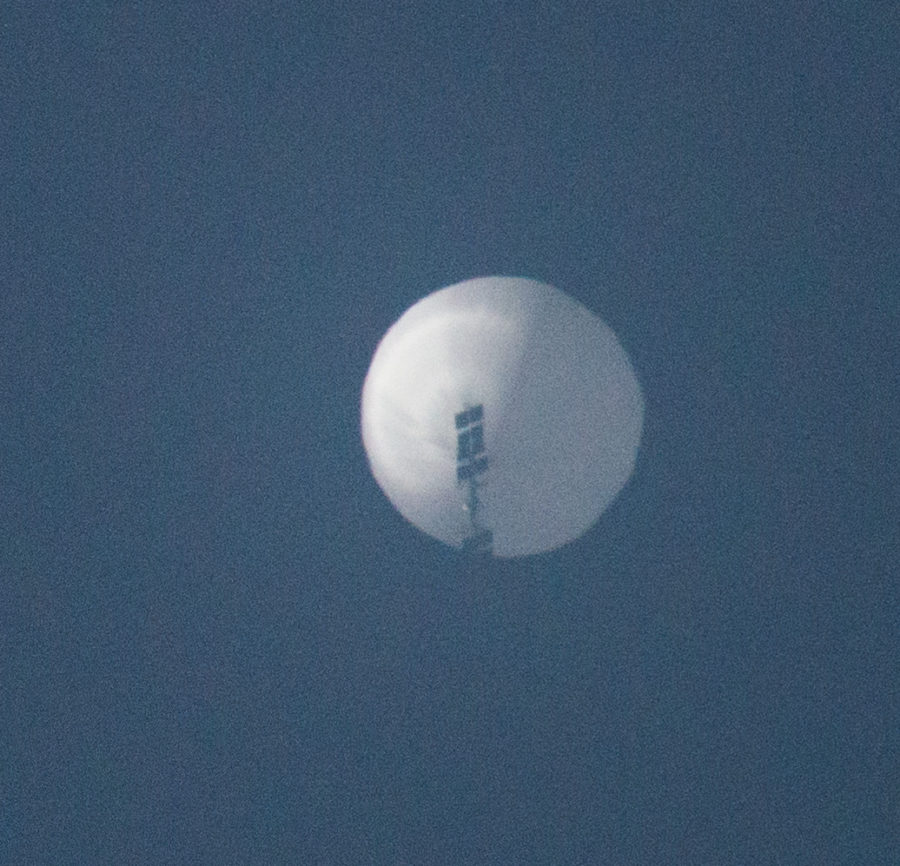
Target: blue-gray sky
x=220, y=643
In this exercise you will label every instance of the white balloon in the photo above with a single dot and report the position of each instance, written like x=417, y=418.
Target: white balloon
x=562, y=420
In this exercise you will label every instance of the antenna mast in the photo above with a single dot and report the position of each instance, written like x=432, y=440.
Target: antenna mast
x=471, y=463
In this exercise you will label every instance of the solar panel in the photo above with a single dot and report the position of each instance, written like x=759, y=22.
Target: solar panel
x=465, y=471
x=470, y=463
x=469, y=416
x=476, y=440
x=463, y=447
x=481, y=542
x=469, y=443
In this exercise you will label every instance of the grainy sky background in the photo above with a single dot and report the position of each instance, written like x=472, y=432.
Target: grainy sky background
x=219, y=643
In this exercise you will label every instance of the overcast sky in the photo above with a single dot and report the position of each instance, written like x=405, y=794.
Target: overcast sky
x=219, y=643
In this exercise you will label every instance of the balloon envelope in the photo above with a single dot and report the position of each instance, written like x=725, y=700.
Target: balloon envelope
x=562, y=413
